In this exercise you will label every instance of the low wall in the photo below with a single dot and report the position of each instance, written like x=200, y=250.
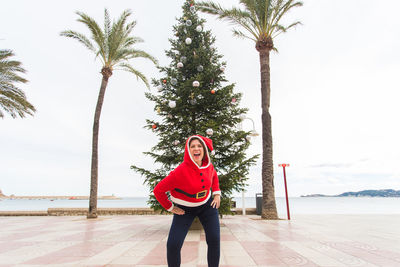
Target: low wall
x=23, y=213
x=100, y=212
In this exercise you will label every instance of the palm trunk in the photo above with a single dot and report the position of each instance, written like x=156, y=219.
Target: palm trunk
x=268, y=204
x=95, y=140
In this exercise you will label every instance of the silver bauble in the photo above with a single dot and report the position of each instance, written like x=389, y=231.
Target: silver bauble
x=179, y=65
x=188, y=23
x=200, y=68
x=199, y=28
x=172, y=104
x=196, y=84
x=209, y=131
x=188, y=41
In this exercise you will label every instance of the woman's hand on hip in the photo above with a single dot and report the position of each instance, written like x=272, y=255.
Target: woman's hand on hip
x=177, y=210
x=216, y=202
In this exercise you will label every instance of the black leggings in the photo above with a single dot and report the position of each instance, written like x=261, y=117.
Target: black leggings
x=180, y=225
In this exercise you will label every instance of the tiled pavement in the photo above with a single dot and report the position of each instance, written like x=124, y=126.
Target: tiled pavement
x=306, y=240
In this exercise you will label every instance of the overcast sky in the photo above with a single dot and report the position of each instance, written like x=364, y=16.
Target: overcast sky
x=334, y=103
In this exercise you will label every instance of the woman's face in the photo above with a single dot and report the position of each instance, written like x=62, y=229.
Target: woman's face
x=196, y=151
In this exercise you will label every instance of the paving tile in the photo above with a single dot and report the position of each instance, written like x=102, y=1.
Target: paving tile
x=246, y=241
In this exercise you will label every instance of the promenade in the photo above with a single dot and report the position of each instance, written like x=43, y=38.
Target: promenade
x=306, y=240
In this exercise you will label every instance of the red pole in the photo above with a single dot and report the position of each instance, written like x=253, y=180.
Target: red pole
x=287, y=199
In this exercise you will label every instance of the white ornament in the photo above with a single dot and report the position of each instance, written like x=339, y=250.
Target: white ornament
x=199, y=28
x=222, y=68
x=226, y=143
x=160, y=88
x=172, y=104
x=192, y=9
x=213, y=153
x=196, y=84
x=188, y=23
x=179, y=65
x=188, y=41
x=176, y=142
x=193, y=101
x=209, y=131
x=174, y=81
x=200, y=68
x=183, y=59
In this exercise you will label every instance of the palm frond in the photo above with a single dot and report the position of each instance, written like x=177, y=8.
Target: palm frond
x=118, y=34
x=138, y=74
x=233, y=15
x=281, y=9
x=281, y=29
x=260, y=18
x=114, y=45
x=81, y=38
x=107, y=33
x=135, y=53
x=97, y=33
x=255, y=8
x=129, y=41
x=14, y=102
x=240, y=34
x=6, y=53
x=107, y=24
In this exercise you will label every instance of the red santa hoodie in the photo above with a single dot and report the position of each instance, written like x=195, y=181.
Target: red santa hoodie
x=189, y=184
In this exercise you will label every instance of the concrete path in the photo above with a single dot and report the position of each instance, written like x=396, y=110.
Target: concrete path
x=306, y=240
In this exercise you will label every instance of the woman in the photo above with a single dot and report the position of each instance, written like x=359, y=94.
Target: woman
x=190, y=186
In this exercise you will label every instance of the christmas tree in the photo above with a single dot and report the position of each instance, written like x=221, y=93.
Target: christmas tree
x=192, y=99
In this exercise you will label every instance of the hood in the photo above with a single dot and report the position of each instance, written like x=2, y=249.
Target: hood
x=207, y=142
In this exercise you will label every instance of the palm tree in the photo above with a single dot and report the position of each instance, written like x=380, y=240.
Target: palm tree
x=260, y=20
x=12, y=99
x=114, y=46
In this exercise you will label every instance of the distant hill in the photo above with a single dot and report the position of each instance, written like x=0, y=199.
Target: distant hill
x=2, y=195
x=364, y=193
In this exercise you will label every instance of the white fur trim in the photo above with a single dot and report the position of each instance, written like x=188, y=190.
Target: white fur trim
x=206, y=148
x=172, y=207
x=216, y=193
x=189, y=204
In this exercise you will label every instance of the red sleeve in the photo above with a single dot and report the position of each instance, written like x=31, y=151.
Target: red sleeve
x=215, y=184
x=161, y=189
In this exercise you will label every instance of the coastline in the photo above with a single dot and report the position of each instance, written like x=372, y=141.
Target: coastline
x=102, y=212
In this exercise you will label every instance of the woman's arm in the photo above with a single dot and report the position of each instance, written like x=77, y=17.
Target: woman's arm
x=161, y=189
x=216, y=191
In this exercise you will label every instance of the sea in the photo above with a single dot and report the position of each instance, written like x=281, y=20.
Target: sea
x=297, y=205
